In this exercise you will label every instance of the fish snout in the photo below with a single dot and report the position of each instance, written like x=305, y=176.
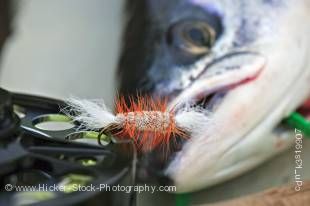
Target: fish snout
x=206, y=92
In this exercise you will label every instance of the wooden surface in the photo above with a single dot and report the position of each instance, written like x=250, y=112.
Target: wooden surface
x=281, y=196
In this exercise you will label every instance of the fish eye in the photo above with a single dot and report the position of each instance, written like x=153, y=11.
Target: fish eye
x=192, y=38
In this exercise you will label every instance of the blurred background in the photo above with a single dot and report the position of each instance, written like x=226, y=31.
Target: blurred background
x=61, y=48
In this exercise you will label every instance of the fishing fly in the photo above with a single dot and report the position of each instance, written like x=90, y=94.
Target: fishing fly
x=149, y=122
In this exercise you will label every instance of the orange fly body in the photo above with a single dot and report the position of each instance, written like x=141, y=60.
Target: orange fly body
x=147, y=121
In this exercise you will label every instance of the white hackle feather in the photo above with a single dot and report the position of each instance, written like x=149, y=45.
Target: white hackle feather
x=92, y=114
x=193, y=119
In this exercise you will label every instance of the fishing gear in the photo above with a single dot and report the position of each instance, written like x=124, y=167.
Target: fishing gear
x=41, y=148
x=148, y=122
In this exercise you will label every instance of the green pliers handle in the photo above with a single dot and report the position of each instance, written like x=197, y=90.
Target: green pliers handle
x=299, y=122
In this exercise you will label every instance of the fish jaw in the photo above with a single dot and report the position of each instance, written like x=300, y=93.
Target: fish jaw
x=241, y=134
x=229, y=71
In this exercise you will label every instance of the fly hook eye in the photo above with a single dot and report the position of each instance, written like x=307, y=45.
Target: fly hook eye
x=107, y=132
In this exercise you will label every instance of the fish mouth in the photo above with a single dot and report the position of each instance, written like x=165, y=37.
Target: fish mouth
x=207, y=91
x=218, y=78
